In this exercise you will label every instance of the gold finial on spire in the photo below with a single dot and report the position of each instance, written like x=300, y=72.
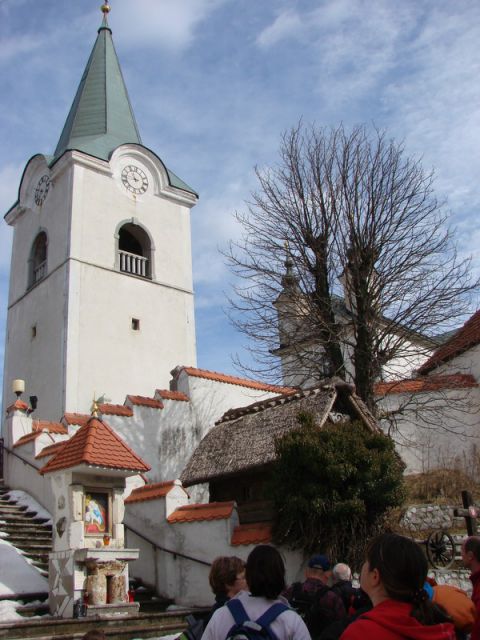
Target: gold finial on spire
x=105, y=8
x=94, y=407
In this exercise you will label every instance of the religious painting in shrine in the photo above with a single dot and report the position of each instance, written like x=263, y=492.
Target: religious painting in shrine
x=96, y=514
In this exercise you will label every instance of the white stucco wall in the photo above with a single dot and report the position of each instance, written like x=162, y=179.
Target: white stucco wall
x=436, y=429
x=180, y=578
x=20, y=463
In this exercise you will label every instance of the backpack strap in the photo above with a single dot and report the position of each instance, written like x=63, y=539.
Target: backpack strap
x=237, y=610
x=266, y=619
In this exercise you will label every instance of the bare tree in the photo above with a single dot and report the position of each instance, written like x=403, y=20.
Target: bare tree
x=371, y=273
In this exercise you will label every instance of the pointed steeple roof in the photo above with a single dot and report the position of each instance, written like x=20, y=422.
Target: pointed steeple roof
x=96, y=444
x=101, y=116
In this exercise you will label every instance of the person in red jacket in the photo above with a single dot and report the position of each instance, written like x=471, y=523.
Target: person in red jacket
x=393, y=576
x=471, y=560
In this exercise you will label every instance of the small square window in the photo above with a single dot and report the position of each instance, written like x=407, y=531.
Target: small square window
x=135, y=324
x=34, y=331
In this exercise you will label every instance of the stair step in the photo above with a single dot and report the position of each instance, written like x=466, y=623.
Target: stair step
x=121, y=628
x=37, y=558
x=7, y=507
x=20, y=538
x=28, y=549
x=31, y=610
x=20, y=519
x=26, y=524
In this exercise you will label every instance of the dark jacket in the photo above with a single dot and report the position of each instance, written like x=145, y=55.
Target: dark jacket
x=318, y=605
x=344, y=589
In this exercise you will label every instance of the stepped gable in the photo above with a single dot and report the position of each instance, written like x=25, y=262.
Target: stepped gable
x=80, y=419
x=465, y=338
x=51, y=449
x=51, y=427
x=18, y=405
x=33, y=435
x=430, y=383
x=96, y=444
x=244, y=438
x=257, y=533
x=198, y=512
x=39, y=427
x=115, y=410
x=150, y=492
x=143, y=401
x=166, y=394
x=242, y=382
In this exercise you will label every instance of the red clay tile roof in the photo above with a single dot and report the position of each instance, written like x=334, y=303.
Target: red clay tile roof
x=466, y=337
x=18, y=405
x=258, y=533
x=51, y=427
x=243, y=382
x=51, y=449
x=115, y=410
x=429, y=383
x=96, y=444
x=145, y=402
x=76, y=418
x=27, y=438
x=196, y=512
x=150, y=492
x=171, y=395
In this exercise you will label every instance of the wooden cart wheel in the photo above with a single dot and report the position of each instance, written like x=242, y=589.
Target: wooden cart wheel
x=440, y=549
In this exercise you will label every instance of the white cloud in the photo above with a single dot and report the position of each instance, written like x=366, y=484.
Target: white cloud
x=285, y=25
x=168, y=24
x=11, y=48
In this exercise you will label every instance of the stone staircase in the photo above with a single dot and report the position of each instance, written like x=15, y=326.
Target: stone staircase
x=30, y=534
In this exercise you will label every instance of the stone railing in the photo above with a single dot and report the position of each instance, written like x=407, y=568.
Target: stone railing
x=133, y=263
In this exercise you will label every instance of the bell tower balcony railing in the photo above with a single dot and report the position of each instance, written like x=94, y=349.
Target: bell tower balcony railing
x=39, y=271
x=133, y=263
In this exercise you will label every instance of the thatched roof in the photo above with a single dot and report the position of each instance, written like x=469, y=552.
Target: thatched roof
x=244, y=439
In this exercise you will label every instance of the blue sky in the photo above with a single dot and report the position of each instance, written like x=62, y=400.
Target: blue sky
x=214, y=83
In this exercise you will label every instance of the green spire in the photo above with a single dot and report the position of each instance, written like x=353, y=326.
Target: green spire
x=101, y=116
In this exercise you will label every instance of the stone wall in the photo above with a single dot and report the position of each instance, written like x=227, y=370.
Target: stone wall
x=425, y=517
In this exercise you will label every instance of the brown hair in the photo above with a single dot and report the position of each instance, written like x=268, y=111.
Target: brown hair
x=403, y=567
x=223, y=573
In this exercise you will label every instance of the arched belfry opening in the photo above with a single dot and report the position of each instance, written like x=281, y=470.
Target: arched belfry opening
x=134, y=251
x=38, y=259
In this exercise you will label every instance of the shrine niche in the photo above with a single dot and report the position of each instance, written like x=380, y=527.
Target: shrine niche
x=89, y=562
x=96, y=513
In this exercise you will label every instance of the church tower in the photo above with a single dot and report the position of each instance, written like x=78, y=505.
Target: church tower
x=101, y=293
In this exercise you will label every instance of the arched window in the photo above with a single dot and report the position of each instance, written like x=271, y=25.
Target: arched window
x=38, y=259
x=134, y=250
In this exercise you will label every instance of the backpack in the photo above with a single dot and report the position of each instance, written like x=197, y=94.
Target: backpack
x=195, y=629
x=313, y=608
x=246, y=629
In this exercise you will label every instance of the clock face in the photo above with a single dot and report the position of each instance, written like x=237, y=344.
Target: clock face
x=42, y=190
x=134, y=179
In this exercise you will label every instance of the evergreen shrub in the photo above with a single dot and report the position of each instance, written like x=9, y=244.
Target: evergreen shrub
x=332, y=488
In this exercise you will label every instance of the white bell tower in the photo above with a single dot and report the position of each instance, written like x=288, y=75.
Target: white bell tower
x=101, y=294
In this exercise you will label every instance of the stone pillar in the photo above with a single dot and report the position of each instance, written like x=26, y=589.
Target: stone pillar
x=116, y=589
x=97, y=588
